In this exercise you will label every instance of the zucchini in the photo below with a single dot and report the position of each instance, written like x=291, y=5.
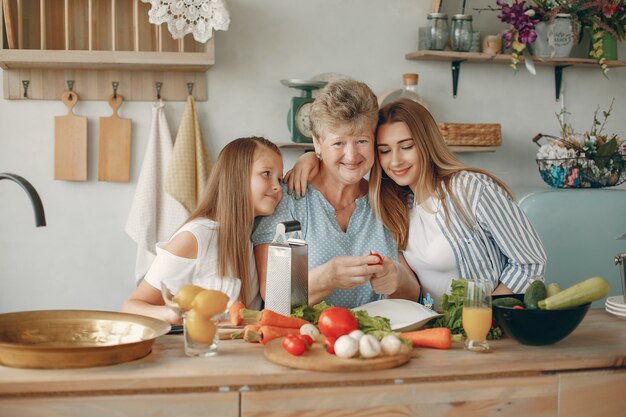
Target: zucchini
x=535, y=293
x=553, y=289
x=507, y=302
x=589, y=290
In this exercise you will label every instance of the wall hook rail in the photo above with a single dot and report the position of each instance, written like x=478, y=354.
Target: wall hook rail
x=25, y=84
x=159, y=85
x=190, y=88
x=115, y=84
x=70, y=85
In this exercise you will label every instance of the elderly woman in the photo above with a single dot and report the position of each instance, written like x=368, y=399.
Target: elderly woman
x=450, y=220
x=336, y=218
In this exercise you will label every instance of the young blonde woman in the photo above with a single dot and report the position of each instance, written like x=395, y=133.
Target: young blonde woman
x=213, y=246
x=336, y=218
x=450, y=220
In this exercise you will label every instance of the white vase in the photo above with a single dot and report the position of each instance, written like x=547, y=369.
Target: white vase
x=554, y=39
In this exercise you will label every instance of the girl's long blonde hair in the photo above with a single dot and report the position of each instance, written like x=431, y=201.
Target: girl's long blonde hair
x=227, y=201
x=437, y=166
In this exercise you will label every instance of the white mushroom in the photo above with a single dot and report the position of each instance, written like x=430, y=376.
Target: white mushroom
x=391, y=345
x=346, y=347
x=356, y=334
x=369, y=346
x=310, y=330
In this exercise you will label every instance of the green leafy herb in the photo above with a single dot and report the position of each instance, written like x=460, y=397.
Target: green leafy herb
x=309, y=313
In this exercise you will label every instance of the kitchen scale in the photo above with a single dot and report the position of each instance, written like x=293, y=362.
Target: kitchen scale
x=298, y=116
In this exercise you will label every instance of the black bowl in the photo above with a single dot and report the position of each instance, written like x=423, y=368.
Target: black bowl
x=537, y=327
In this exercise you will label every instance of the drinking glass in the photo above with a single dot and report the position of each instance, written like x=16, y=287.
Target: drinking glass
x=477, y=314
x=200, y=333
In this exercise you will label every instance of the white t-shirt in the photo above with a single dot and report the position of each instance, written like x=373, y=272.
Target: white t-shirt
x=203, y=270
x=428, y=252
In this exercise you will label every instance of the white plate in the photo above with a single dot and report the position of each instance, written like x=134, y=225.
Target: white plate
x=616, y=307
x=616, y=313
x=616, y=301
x=404, y=315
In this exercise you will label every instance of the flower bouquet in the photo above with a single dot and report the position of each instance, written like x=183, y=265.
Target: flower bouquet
x=589, y=160
x=524, y=16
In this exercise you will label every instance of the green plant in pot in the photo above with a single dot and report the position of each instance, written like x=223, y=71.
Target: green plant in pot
x=605, y=20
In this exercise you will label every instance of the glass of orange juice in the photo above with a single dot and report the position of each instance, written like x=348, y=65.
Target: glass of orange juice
x=477, y=314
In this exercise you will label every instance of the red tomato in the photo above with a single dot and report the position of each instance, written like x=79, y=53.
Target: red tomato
x=337, y=321
x=380, y=259
x=294, y=345
x=329, y=344
x=518, y=307
x=308, y=340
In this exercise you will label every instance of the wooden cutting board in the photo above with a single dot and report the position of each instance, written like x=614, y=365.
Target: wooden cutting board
x=70, y=143
x=317, y=359
x=114, y=145
x=7, y=8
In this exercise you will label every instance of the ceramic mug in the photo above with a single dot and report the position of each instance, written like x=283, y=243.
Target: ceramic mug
x=492, y=44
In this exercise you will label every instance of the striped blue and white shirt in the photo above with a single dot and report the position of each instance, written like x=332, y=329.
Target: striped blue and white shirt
x=500, y=243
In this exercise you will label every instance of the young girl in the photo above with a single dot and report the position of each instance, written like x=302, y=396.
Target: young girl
x=213, y=246
x=450, y=220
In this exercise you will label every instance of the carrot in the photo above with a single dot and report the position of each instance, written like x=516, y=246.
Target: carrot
x=248, y=330
x=266, y=333
x=233, y=313
x=271, y=318
x=438, y=338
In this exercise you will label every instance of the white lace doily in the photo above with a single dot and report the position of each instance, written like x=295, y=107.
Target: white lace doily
x=198, y=17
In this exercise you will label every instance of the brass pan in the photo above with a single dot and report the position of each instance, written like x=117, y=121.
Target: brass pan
x=50, y=339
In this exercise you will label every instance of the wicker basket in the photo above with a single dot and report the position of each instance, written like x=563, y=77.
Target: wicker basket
x=583, y=172
x=466, y=134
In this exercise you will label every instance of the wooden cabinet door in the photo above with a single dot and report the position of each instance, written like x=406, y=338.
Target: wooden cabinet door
x=532, y=396
x=162, y=405
x=591, y=394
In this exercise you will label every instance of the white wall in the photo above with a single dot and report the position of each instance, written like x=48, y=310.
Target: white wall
x=83, y=258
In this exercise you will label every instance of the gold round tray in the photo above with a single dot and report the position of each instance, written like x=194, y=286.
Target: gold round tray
x=49, y=339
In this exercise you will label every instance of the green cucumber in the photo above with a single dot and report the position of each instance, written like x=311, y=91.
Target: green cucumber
x=589, y=290
x=507, y=302
x=535, y=293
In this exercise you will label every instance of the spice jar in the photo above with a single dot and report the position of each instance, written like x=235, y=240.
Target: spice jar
x=461, y=32
x=439, y=31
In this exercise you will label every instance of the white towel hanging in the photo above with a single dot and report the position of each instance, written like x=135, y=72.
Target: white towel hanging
x=154, y=215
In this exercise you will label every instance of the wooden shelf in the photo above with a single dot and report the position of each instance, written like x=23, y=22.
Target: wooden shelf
x=456, y=58
x=505, y=59
x=458, y=149
x=93, y=43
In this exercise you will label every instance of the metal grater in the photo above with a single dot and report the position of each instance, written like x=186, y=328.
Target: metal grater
x=287, y=278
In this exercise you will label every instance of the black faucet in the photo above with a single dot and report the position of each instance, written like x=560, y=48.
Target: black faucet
x=40, y=217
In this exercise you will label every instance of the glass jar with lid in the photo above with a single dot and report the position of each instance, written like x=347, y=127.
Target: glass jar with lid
x=461, y=32
x=439, y=31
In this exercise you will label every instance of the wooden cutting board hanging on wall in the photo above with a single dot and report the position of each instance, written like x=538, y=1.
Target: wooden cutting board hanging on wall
x=114, y=145
x=70, y=143
x=9, y=26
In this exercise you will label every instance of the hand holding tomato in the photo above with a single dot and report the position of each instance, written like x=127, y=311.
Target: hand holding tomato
x=388, y=281
x=349, y=272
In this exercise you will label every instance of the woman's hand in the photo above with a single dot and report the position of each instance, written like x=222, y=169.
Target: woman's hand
x=387, y=281
x=305, y=169
x=352, y=271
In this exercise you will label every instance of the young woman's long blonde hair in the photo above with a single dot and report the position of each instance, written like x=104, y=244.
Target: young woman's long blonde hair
x=437, y=166
x=227, y=201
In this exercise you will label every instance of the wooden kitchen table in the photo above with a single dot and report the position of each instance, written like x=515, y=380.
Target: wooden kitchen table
x=583, y=375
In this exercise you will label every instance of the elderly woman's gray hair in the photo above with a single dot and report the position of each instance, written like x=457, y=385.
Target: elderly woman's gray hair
x=347, y=104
